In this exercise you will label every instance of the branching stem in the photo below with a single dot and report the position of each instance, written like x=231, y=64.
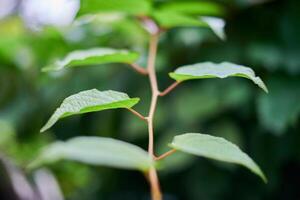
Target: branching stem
x=154, y=88
x=153, y=179
x=154, y=31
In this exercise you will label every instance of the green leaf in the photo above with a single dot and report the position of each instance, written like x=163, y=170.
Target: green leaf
x=216, y=148
x=194, y=8
x=168, y=19
x=96, y=151
x=216, y=25
x=182, y=14
x=214, y=70
x=90, y=101
x=99, y=18
x=93, y=57
x=133, y=7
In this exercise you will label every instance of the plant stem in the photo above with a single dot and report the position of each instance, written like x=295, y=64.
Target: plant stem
x=169, y=89
x=155, y=188
x=153, y=179
x=166, y=154
x=138, y=68
x=154, y=88
x=139, y=115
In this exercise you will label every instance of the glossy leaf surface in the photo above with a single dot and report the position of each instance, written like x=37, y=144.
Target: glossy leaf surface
x=216, y=148
x=93, y=56
x=90, y=101
x=98, y=151
x=214, y=70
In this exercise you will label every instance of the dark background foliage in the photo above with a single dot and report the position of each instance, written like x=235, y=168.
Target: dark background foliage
x=262, y=35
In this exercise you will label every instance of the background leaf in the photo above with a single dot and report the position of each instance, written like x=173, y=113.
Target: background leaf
x=92, y=57
x=96, y=151
x=217, y=25
x=213, y=70
x=167, y=19
x=194, y=8
x=216, y=148
x=134, y=7
x=90, y=101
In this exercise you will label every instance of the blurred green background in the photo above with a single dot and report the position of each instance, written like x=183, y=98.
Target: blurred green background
x=264, y=35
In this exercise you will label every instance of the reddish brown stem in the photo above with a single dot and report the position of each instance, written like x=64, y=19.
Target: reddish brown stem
x=137, y=114
x=165, y=154
x=153, y=179
x=154, y=88
x=139, y=69
x=169, y=89
x=155, y=188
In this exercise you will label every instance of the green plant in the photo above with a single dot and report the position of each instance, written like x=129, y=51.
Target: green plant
x=156, y=19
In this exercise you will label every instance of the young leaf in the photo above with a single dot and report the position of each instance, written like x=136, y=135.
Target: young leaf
x=167, y=19
x=90, y=101
x=215, y=148
x=92, y=57
x=96, y=151
x=214, y=70
x=194, y=8
x=133, y=7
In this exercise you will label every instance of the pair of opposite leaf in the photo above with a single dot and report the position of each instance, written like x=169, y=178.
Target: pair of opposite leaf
x=115, y=153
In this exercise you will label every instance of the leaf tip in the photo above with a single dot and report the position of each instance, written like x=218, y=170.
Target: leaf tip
x=265, y=180
x=262, y=176
x=44, y=128
x=135, y=101
x=262, y=85
x=265, y=89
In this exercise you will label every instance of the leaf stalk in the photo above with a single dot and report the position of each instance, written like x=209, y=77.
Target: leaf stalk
x=168, y=153
x=169, y=89
x=138, y=68
x=139, y=115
